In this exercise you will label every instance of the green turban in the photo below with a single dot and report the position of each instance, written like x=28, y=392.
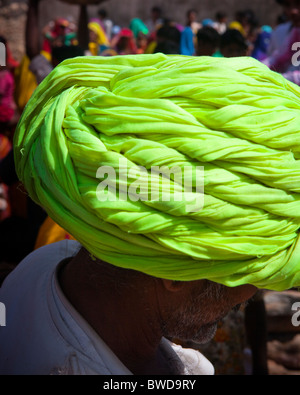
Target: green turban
x=233, y=118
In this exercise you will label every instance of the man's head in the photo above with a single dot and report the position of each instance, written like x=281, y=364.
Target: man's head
x=221, y=17
x=233, y=44
x=102, y=13
x=208, y=41
x=183, y=310
x=195, y=308
x=168, y=39
x=292, y=10
x=59, y=54
x=156, y=13
x=191, y=16
x=95, y=142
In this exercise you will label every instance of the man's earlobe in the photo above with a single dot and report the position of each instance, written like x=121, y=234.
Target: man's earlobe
x=173, y=286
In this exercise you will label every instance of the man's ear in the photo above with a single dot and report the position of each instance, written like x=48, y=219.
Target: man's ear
x=173, y=286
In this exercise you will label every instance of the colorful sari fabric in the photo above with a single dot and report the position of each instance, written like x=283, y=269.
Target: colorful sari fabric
x=49, y=233
x=5, y=206
x=25, y=84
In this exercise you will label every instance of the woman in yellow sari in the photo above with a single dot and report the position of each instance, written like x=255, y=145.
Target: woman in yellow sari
x=98, y=39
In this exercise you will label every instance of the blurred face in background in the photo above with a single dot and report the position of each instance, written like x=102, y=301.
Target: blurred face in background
x=192, y=16
x=292, y=11
x=93, y=37
x=155, y=14
x=142, y=41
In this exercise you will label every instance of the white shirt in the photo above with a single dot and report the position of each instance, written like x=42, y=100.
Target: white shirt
x=45, y=335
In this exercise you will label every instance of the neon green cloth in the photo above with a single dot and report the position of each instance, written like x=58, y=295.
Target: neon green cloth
x=233, y=116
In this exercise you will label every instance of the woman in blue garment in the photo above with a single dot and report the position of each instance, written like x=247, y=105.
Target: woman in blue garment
x=187, y=42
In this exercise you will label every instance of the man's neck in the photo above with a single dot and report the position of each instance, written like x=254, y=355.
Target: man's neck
x=126, y=321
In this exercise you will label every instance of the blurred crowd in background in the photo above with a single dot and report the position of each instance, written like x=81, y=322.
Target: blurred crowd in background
x=23, y=225
x=20, y=219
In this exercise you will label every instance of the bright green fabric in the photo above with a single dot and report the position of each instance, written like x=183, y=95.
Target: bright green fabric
x=233, y=116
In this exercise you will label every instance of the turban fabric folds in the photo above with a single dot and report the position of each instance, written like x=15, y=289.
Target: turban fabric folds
x=233, y=117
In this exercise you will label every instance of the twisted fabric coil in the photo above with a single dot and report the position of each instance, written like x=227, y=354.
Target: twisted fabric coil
x=234, y=117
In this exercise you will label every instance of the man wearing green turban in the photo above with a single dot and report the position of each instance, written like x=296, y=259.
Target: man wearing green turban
x=158, y=255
